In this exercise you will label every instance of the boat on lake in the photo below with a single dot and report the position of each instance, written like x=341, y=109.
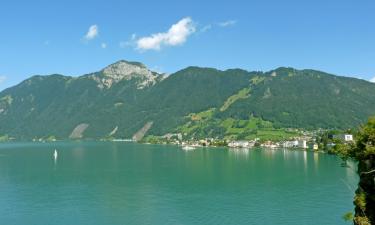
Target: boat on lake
x=55, y=154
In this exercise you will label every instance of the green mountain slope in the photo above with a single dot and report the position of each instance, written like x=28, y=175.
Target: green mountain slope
x=308, y=99
x=122, y=98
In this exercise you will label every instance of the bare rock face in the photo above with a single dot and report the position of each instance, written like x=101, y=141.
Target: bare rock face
x=113, y=132
x=142, y=132
x=77, y=133
x=124, y=70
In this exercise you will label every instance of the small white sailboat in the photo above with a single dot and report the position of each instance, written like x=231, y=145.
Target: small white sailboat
x=55, y=154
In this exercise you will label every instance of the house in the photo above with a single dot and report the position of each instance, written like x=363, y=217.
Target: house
x=302, y=144
x=315, y=147
x=348, y=137
x=270, y=144
x=343, y=137
x=240, y=144
x=290, y=144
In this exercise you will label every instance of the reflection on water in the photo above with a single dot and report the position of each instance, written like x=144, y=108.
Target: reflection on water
x=285, y=153
x=316, y=158
x=316, y=161
x=239, y=152
x=78, y=153
x=125, y=183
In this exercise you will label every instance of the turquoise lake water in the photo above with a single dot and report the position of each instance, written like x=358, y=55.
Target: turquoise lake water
x=124, y=183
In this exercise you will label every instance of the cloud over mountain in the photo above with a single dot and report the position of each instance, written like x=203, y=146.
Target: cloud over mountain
x=176, y=35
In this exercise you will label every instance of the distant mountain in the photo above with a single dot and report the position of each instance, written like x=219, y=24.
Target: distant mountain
x=127, y=99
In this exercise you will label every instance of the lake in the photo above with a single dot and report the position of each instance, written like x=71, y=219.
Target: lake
x=126, y=183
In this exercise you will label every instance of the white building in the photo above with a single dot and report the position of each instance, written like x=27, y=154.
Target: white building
x=302, y=144
x=348, y=137
x=344, y=137
x=240, y=144
x=290, y=144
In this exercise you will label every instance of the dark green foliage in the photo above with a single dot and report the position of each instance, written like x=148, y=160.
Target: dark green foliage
x=54, y=105
x=308, y=99
x=190, y=90
x=348, y=216
x=363, y=151
x=364, y=147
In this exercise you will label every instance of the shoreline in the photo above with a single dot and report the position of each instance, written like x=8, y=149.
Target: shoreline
x=159, y=144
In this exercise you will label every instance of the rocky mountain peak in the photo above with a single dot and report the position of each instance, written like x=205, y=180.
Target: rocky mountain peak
x=124, y=70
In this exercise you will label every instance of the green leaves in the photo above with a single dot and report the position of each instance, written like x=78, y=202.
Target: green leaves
x=348, y=216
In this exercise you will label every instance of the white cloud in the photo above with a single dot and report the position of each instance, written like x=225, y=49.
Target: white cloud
x=176, y=35
x=206, y=28
x=372, y=80
x=103, y=45
x=92, y=33
x=224, y=24
x=2, y=79
x=227, y=23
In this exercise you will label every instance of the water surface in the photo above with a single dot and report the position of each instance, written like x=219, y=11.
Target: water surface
x=124, y=183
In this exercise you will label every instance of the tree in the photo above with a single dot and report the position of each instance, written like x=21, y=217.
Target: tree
x=363, y=151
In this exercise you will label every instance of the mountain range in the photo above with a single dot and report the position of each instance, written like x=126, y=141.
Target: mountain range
x=128, y=100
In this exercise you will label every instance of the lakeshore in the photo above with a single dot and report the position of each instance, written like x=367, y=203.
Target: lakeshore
x=322, y=141
x=319, y=141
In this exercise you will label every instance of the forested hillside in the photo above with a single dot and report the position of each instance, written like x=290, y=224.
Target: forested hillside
x=122, y=98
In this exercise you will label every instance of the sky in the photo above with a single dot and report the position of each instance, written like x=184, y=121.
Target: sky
x=78, y=37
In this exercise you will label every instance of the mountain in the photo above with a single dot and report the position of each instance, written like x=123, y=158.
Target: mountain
x=127, y=99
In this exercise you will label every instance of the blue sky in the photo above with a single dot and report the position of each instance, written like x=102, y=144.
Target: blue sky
x=45, y=37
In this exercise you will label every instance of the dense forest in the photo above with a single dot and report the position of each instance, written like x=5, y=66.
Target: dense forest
x=120, y=99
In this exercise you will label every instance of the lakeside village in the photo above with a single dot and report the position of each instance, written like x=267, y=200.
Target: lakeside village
x=314, y=141
x=320, y=140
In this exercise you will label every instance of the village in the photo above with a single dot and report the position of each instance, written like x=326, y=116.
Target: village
x=314, y=141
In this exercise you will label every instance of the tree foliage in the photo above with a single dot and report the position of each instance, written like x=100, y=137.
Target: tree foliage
x=363, y=151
